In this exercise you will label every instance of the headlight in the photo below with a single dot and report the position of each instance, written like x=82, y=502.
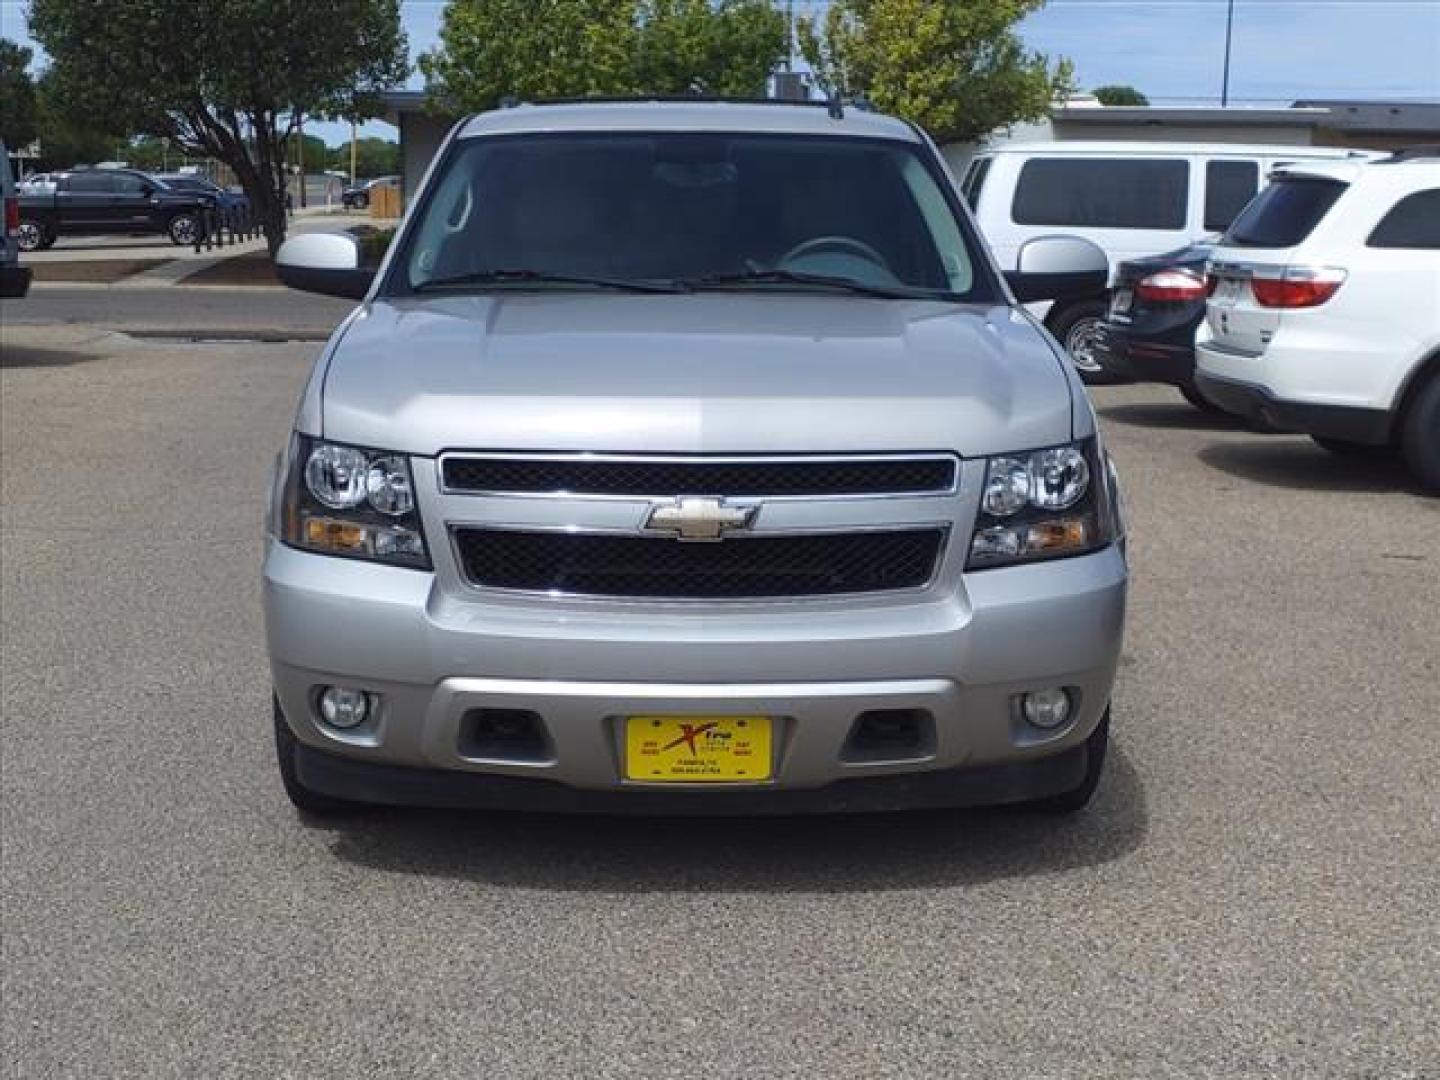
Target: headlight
x=1044, y=504
x=353, y=502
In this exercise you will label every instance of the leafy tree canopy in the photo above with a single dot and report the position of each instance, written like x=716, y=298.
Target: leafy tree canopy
x=491, y=49
x=955, y=67
x=1121, y=95
x=224, y=78
x=19, y=120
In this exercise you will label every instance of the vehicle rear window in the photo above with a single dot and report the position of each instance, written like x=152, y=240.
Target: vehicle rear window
x=1285, y=213
x=975, y=180
x=1103, y=193
x=1413, y=222
x=1229, y=185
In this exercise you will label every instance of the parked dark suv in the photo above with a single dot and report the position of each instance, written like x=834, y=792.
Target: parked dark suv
x=109, y=201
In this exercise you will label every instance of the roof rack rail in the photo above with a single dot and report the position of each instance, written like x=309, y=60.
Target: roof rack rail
x=1415, y=153
x=698, y=99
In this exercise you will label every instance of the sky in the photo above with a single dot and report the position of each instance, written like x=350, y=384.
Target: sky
x=1172, y=50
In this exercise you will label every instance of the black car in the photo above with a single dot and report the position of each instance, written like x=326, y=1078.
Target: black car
x=357, y=196
x=1156, y=306
x=125, y=201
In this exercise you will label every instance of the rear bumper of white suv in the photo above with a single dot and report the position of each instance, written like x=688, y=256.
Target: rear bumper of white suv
x=960, y=663
x=1290, y=386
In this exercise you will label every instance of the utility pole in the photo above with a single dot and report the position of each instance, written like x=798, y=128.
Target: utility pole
x=1229, y=29
x=300, y=154
x=353, y=152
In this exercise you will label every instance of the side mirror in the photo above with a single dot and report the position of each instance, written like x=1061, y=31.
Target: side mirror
x=326, y=263
x=1058, y=268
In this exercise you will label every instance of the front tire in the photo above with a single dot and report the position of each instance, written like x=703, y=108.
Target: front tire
x=303, y=798
x=183, y=229
x=1420, y=435
x=362, y=202
x=30, y=236
x=1072, y=802
x=1078, y=329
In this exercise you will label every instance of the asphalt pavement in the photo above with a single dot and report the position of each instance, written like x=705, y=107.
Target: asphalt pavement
x=1254, y=892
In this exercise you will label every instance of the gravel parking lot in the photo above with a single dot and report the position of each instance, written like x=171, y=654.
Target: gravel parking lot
x=1254, y=892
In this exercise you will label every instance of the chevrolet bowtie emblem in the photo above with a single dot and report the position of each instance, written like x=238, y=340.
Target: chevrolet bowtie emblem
x=703, y=519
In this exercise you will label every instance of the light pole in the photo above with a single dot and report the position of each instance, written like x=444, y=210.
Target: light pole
x=1229, y=28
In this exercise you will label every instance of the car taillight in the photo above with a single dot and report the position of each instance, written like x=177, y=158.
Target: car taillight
x=1171, y=286
x=12, y=216
x=1298, y=287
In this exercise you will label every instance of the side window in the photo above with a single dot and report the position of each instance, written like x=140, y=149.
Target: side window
x=975, y=180
x=1229, y=185
x=1103, y=193
x=1413, y=222
x=90, y=183
x=125, y=184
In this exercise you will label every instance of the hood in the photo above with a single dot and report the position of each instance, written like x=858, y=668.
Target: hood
x=701, y=373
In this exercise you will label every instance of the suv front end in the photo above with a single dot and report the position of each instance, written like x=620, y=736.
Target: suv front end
x=696, y=547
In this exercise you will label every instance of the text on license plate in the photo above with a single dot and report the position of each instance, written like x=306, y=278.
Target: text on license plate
x=697, y=749
x=1227, y=290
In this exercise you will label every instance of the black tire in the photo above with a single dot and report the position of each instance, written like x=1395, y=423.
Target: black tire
x=362, y=202
x=1072, y=802
x=1420, y=435
x=31, y=235
x=303, y=798
x=183, y=229
x=1200, y=401
x=1346, y=448
x=1075, y=328
x=49, y=241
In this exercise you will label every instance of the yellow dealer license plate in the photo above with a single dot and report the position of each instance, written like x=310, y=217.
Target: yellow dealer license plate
x=697, y=749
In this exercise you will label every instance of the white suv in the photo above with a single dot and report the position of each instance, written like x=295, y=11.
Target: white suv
x=1324, y=313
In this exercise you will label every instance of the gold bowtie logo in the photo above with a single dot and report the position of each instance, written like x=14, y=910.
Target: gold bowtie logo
x=701, y=519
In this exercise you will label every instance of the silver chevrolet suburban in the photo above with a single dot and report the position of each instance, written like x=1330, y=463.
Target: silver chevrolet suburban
x=692, y=457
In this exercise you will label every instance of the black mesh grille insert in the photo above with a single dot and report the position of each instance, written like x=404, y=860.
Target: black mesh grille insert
x=817, y=564
x=731, y=478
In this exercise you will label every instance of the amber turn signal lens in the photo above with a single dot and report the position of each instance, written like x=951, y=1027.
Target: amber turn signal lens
x=328, y=534
x=1065, y=535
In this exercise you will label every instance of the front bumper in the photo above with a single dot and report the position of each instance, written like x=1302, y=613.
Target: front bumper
x=14, y=282
x=962, y=660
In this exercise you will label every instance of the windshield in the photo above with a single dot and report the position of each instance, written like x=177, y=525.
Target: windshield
x=707, y=210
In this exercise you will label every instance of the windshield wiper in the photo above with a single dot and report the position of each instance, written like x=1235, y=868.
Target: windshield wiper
x=796, y=277
x=543, y=277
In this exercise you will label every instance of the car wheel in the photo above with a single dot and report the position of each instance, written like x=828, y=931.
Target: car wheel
x=362, y=202
x=1200, y=401
x=1071, y=802
x=1347, y=448
x=1078, y=329
x=51, y=236
x=30, y=236
x=303, y=798
x=1420, y=435
x=183, y=229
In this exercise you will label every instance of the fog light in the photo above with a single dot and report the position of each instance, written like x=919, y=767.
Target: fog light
x=1046, y=709
x=344, y=706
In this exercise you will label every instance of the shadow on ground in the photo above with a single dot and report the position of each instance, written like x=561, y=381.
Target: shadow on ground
x=29, y=356
x=827, y=854
x=1180, y=415
x=1298, y=464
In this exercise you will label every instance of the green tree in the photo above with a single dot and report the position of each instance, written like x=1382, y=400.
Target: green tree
x=373, y=157
x=228, y=79
x=70, y=138
x=491, y=49
x=1121, y=95
x=724, y=48
x=955, y=67
x=19, y=122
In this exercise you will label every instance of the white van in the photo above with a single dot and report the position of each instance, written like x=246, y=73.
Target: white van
x=1130, y=198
